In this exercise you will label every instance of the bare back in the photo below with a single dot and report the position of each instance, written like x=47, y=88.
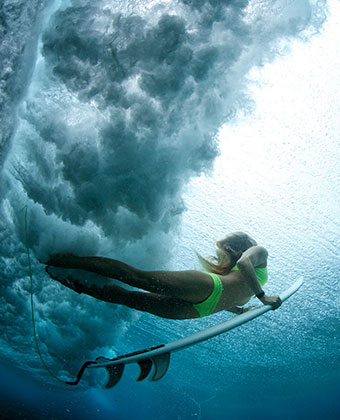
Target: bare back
x=236, y=291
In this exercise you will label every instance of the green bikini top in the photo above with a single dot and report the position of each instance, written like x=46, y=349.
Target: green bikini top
x=261, y=274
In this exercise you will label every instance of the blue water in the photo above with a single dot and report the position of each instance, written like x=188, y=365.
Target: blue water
x=141, y=130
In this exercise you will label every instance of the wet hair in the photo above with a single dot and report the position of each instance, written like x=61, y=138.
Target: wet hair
x=238, y=241
x=228, y=252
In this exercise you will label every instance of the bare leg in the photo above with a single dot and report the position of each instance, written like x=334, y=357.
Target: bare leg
x=191, y=286
x=162, y=306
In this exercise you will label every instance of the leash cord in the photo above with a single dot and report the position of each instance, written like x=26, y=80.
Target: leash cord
x=32, y=306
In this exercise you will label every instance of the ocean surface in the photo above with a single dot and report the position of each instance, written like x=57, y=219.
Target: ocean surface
x=142, y=130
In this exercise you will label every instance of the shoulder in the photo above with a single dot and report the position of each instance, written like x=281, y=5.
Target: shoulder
x=257, y=255
x=258, y=249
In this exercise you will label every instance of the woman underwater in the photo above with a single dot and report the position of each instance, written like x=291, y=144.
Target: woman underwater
x=237, y=273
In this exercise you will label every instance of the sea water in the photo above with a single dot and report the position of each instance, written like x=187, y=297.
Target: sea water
x=142, y=130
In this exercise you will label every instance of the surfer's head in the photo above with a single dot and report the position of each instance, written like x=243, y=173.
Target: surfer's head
x=237, y=242
x=234, y=244
x=229, y=250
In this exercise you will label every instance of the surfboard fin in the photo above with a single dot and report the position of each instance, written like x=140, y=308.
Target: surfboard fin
x=145, y=368
x=115, y=373
x=161, y=364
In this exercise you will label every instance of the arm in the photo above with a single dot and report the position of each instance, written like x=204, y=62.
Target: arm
x=254, y=257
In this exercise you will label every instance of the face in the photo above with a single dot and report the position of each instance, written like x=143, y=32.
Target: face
x=234, y=256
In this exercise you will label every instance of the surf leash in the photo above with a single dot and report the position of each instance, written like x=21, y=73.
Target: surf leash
x=32, y=304
x=86, y=364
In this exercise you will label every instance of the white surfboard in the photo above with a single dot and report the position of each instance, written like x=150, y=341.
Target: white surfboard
x=159, y=356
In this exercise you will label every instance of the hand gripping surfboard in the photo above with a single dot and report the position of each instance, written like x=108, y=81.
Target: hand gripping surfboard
x=159, y=356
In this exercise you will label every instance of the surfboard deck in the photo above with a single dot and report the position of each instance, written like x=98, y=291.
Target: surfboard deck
x=159, y=356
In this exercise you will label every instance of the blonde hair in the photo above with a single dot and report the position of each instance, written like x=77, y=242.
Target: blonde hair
x=221, y=264
x=228, y=251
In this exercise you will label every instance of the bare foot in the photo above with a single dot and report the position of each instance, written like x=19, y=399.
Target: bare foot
x=69, y=281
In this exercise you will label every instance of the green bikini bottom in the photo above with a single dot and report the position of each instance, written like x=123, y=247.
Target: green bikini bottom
x=207, y=307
